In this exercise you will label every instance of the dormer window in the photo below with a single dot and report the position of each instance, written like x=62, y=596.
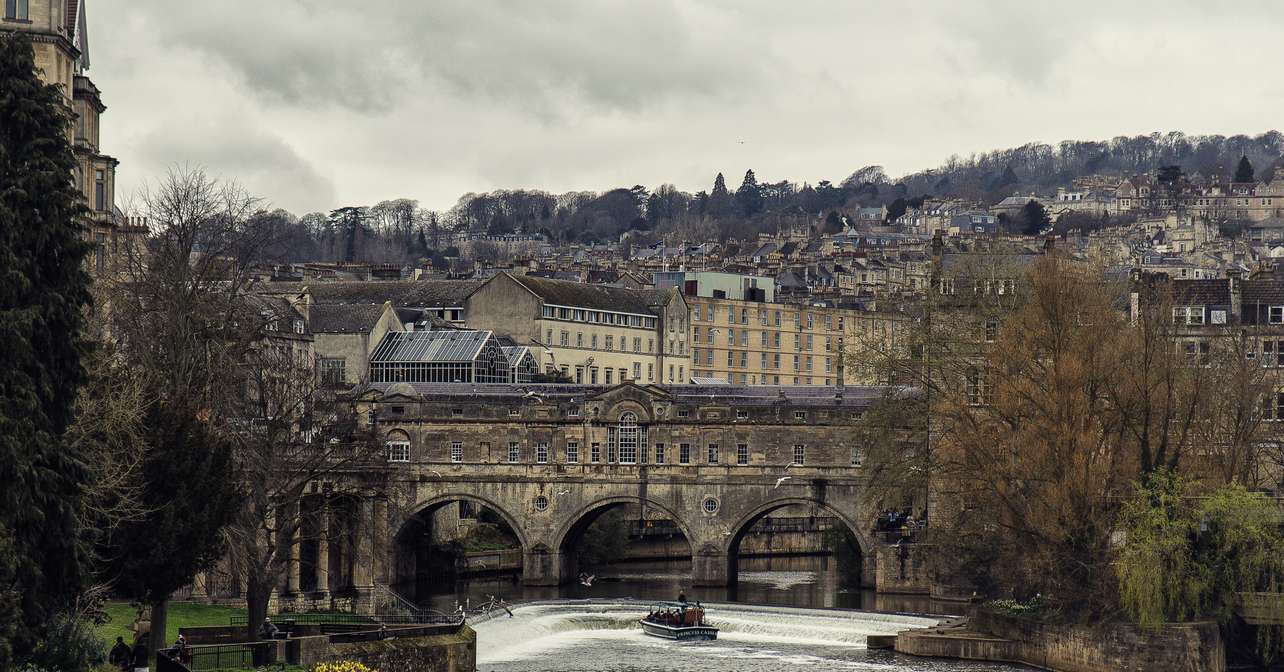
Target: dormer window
x=1275, y=315
x=1192, y=315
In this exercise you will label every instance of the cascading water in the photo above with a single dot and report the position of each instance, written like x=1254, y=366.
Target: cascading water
x=604, y=635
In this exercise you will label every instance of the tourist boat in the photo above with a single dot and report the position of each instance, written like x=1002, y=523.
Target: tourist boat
x=681, y=621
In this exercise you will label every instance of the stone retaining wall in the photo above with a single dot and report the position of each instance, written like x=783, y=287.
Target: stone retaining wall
x=455, y=652
x=1114, y=647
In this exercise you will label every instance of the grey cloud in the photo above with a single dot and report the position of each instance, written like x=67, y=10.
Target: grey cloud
x=619, y=56
x=261, y=162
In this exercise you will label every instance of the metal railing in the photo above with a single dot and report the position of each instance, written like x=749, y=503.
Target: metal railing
x=416, y=617
x=213, y=657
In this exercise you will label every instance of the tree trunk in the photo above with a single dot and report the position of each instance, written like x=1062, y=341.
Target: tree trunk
x=257, y=594
x=159, y=618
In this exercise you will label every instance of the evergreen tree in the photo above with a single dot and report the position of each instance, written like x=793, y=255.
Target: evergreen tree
x=719, y=199
x=1034, y=218
x=188, y=497
x=749, y=195
x=43, y=296
x=1244, y=171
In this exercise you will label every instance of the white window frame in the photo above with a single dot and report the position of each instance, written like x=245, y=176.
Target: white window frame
x=456, y=451
x=572, y=452
x=398, y=451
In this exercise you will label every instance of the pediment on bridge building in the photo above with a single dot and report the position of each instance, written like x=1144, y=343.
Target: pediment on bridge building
x=650, y=400
x=393, y=393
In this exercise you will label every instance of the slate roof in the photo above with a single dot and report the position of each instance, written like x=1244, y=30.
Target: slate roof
x=824, y=396
x=430, y=346
x=596, y=297
x=1265, y=291
x=1213, y=292
x=349, y=318
x=402, y=293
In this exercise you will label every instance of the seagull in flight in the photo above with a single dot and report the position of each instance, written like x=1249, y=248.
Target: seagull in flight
x=587, y=579
x=791, y=464
x=780, y=480
x=436, y=473
x=563, y=492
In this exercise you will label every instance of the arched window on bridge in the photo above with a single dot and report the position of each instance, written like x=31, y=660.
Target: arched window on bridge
x=629, y=438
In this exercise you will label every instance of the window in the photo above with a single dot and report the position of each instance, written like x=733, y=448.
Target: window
x=800, y=415
x=797, y=342
x=659, y=453
x=858, y=456
x=333, y=370
x=650, y=372
x=684, y=413
x=742, y=454
x=15, y=9
x=741, y=414
x=565, y=338
x=800, y=454
x=991, y=330
x=608, y=376
x=637, y=370
x=710, y=505
x=1273, y=409
x=627, y=438
x=398, y=451
x=713, y=453
x=610, y=342
x=572, y=452
x=977, y=391
x=579, y=339
x=456, y=451
x=1188, y=315
x=637, y=344
x=1275, y=314
x=514, y=412
x=541, y=453
x=595, y=453
x=100, y=181
x=456, y=412
x=514, y=452
x=593, y=341
x=573, y=413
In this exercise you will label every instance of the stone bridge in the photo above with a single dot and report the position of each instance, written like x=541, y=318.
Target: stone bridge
x=549, y=508
x=550, y=460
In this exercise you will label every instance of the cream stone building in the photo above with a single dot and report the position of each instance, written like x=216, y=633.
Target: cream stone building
x=592, y=334
x=753, y=343
x=57, y=30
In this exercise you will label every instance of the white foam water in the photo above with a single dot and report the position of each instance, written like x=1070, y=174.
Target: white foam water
x=605, y=635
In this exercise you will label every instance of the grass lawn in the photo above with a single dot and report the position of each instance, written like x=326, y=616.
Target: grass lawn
x=181, y=615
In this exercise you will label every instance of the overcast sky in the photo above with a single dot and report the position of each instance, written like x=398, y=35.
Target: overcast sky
x=314, y=104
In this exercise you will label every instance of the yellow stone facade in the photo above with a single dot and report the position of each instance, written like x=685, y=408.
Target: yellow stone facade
x=752, y=343
x=57, y=30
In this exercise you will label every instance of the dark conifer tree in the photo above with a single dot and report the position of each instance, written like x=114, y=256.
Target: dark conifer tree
x=749, y=195
x=1244, y=171
x=44, y=291
x=719, y=199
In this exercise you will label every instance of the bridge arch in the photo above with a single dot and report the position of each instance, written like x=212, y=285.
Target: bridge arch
x=576, y=523
x=746, y=521
x=412, y=558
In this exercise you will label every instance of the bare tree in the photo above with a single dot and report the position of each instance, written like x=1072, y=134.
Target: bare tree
x=293, y=433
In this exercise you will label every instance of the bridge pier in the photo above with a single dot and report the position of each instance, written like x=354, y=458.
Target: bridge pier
x=543, y=567
x=710, y=569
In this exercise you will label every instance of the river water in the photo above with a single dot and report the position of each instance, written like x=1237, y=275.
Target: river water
x=786, y=613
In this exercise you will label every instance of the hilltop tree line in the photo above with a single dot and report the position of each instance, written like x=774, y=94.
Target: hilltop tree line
x=400, y=231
